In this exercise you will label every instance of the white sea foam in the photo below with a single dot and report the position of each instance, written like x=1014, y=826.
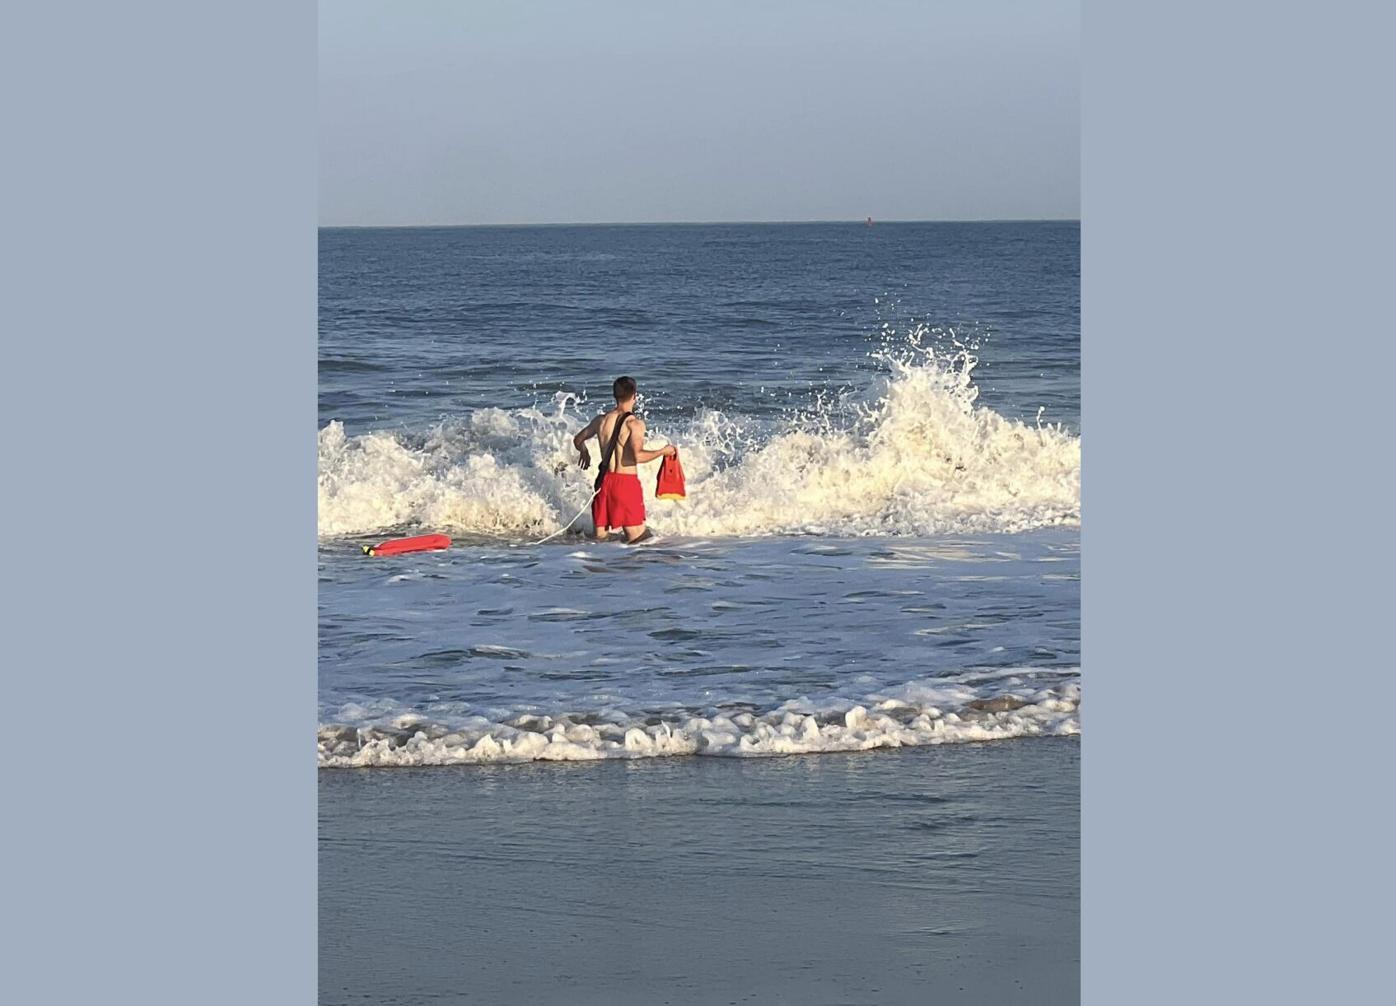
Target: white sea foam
x=917, y=456
x=918, y=713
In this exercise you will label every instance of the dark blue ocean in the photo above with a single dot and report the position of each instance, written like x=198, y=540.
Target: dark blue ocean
x=419, y=325
x=880, y=544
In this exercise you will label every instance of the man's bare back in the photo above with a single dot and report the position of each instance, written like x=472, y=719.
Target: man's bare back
x=624, y=458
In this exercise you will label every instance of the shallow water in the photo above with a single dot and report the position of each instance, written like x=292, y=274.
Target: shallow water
x=699, y=646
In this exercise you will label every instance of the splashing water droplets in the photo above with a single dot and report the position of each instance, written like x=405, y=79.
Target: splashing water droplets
x=914, y=454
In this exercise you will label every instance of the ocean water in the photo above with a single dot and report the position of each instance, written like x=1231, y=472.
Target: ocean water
x=880, y=545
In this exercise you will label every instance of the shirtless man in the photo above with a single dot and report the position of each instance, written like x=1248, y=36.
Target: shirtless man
x=620, y=501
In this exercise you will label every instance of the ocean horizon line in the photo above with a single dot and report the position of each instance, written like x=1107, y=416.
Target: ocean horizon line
x=696, y=223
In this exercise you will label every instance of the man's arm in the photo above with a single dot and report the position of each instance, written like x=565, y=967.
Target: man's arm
x=637, y=438
x=580, y=441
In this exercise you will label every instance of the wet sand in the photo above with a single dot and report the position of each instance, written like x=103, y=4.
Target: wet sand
x=940, y=874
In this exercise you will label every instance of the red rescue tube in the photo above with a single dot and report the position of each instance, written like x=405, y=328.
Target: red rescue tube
x=401, y=546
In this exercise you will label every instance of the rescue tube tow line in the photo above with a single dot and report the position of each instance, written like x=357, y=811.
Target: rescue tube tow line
x=568, y=526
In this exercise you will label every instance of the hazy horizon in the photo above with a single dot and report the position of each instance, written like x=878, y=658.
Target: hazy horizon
x=699, y=223
x=491, y=114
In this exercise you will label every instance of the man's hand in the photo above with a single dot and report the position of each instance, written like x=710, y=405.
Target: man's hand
x=669, y=450
x=580, y=441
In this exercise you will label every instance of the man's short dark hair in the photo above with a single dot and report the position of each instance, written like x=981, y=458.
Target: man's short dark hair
x=623, y=388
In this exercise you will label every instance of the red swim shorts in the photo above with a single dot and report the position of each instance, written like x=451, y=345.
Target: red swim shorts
x=620, y=503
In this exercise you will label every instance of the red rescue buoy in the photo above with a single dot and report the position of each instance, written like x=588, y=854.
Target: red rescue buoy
x=401, y=546
x=669, y=485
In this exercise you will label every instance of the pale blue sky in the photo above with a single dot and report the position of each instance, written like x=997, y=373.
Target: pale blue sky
x=511, y=111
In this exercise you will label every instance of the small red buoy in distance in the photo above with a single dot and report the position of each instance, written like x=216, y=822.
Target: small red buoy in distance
x=402, y=546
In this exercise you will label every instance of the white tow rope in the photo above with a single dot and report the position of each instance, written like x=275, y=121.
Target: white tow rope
x=605, y=464
x=566, y=527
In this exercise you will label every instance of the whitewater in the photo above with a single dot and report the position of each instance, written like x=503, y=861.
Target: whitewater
x=936, y=711
x=914, y=454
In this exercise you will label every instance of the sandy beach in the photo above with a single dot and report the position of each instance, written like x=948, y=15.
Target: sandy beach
x=940, y=874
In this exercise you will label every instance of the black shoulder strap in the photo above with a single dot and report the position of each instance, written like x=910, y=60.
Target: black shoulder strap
x=611, y=447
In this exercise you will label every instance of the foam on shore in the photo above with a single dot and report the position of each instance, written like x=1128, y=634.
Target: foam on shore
x=930, y=711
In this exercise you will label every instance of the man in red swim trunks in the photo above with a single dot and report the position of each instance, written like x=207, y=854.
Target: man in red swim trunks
x=620, y=500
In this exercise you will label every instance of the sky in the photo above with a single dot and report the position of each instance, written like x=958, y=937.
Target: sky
x=630, y=111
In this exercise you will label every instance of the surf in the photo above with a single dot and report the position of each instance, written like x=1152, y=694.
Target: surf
x=976, y=707
x=914, y=453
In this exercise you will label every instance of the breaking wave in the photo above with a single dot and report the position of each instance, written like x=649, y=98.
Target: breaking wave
x=915, y=456
x=986, y=706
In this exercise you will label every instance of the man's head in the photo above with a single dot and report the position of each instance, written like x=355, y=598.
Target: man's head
x=624, y=390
